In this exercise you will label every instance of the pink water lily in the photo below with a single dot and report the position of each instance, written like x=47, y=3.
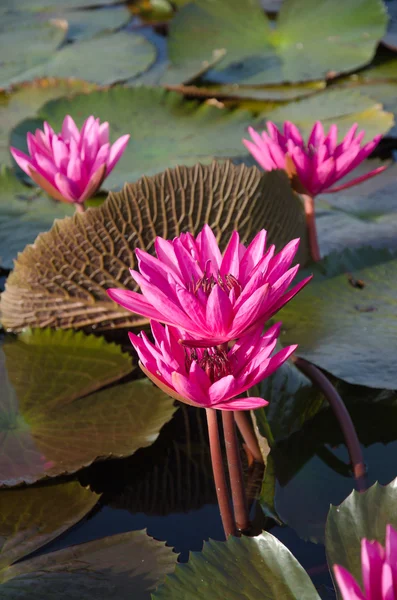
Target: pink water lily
x=71, y=166
x=215, y=298
x=318, y=163
x=213, y=377
x=379, y=571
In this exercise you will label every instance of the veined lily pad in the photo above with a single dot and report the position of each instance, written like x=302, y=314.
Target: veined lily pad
x=24, y=100
x=361, y=515
x=254, y=568
x=85, y=24
x=311, y=40
x=346, y=324
x=341, y=106
x=119, y=566
x=49, y=423
x=71, y=291
x=28, y=520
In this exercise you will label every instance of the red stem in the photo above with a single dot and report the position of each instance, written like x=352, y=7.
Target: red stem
x=80, y=208
x=240, y=503
x=246, y=429
x=222, y=493
x=311, y=227
x=342, y=414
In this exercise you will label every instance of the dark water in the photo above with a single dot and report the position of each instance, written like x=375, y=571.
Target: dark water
x=168, y=489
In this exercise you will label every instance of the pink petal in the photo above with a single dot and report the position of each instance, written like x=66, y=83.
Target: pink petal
x=250, y=403
x=316, y=137
x=348, y=586
x=331, y=139
x=282, y=261
x=391, y=545
x=249, y=311
x=387, y=583
x=93, y=184
x=66, y=187
x=103, y=133
x=252, y=255
x=209, y=248
x=222, y=390
x=262, y=156
x=293, y=133
x=372, y=557
x=287, y=297
x=219, y=311
x=23, y=160
x=70, y=129
x=189, y=390
x=231, y=262
x=134, y=302
x=356, y=181
x=116, y=152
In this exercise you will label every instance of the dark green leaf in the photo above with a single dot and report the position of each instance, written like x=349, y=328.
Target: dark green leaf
x=361, y=515
x=254, y=568
x=311, y=40
x=346, y=324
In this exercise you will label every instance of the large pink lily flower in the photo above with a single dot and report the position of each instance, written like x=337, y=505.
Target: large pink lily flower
x=379, y=570
x=317, y=164
x=215, y=298
x=210, y=377
x=71, y=166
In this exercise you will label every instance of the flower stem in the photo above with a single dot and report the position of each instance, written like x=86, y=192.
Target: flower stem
x=311, y=227
x=247, y=431
x=80, y=207
x=343, y=416
x=240, y=503
x=222, y=493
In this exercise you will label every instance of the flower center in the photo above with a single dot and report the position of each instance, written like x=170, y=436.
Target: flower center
x=207, y=282
x=214, y=361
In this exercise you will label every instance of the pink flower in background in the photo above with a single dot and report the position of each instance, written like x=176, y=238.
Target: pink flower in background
x=215, y=298
x=379, y=571
x=70, y=166
x=210, y=377
x=320, y=162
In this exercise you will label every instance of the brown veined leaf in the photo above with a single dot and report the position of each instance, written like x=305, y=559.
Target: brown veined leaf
x=61, y=279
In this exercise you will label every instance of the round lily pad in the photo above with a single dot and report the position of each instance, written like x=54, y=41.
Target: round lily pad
x=51, y=421
x=346, y=323
x=311, y=40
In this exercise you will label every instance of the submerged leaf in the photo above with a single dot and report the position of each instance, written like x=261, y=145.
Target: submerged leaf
x=62, y=279
x=124, y=566
x=311, y=40
x=253, y=568
x=28, y=520
x=48, y=423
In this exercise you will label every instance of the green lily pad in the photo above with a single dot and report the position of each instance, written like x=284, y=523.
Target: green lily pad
x=25, y=44
x=254, y=568
x=361, y=515
x=311, y=40
x=85, y=24
x=49, y=423
x=166, y=130
x=28, y=520
x=124, y=566
x=24, y=100
x=390, y=39
x=226, y=196
x=348, y=328
x=341, y=106
x=47, y=5
x=108, y=58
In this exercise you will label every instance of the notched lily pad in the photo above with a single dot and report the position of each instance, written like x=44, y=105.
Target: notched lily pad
x=361, y=515
x=346, y=323
x=312, y=40
x=52, y=418
x=62, y=279
x=254, y=568
x=124, y=566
